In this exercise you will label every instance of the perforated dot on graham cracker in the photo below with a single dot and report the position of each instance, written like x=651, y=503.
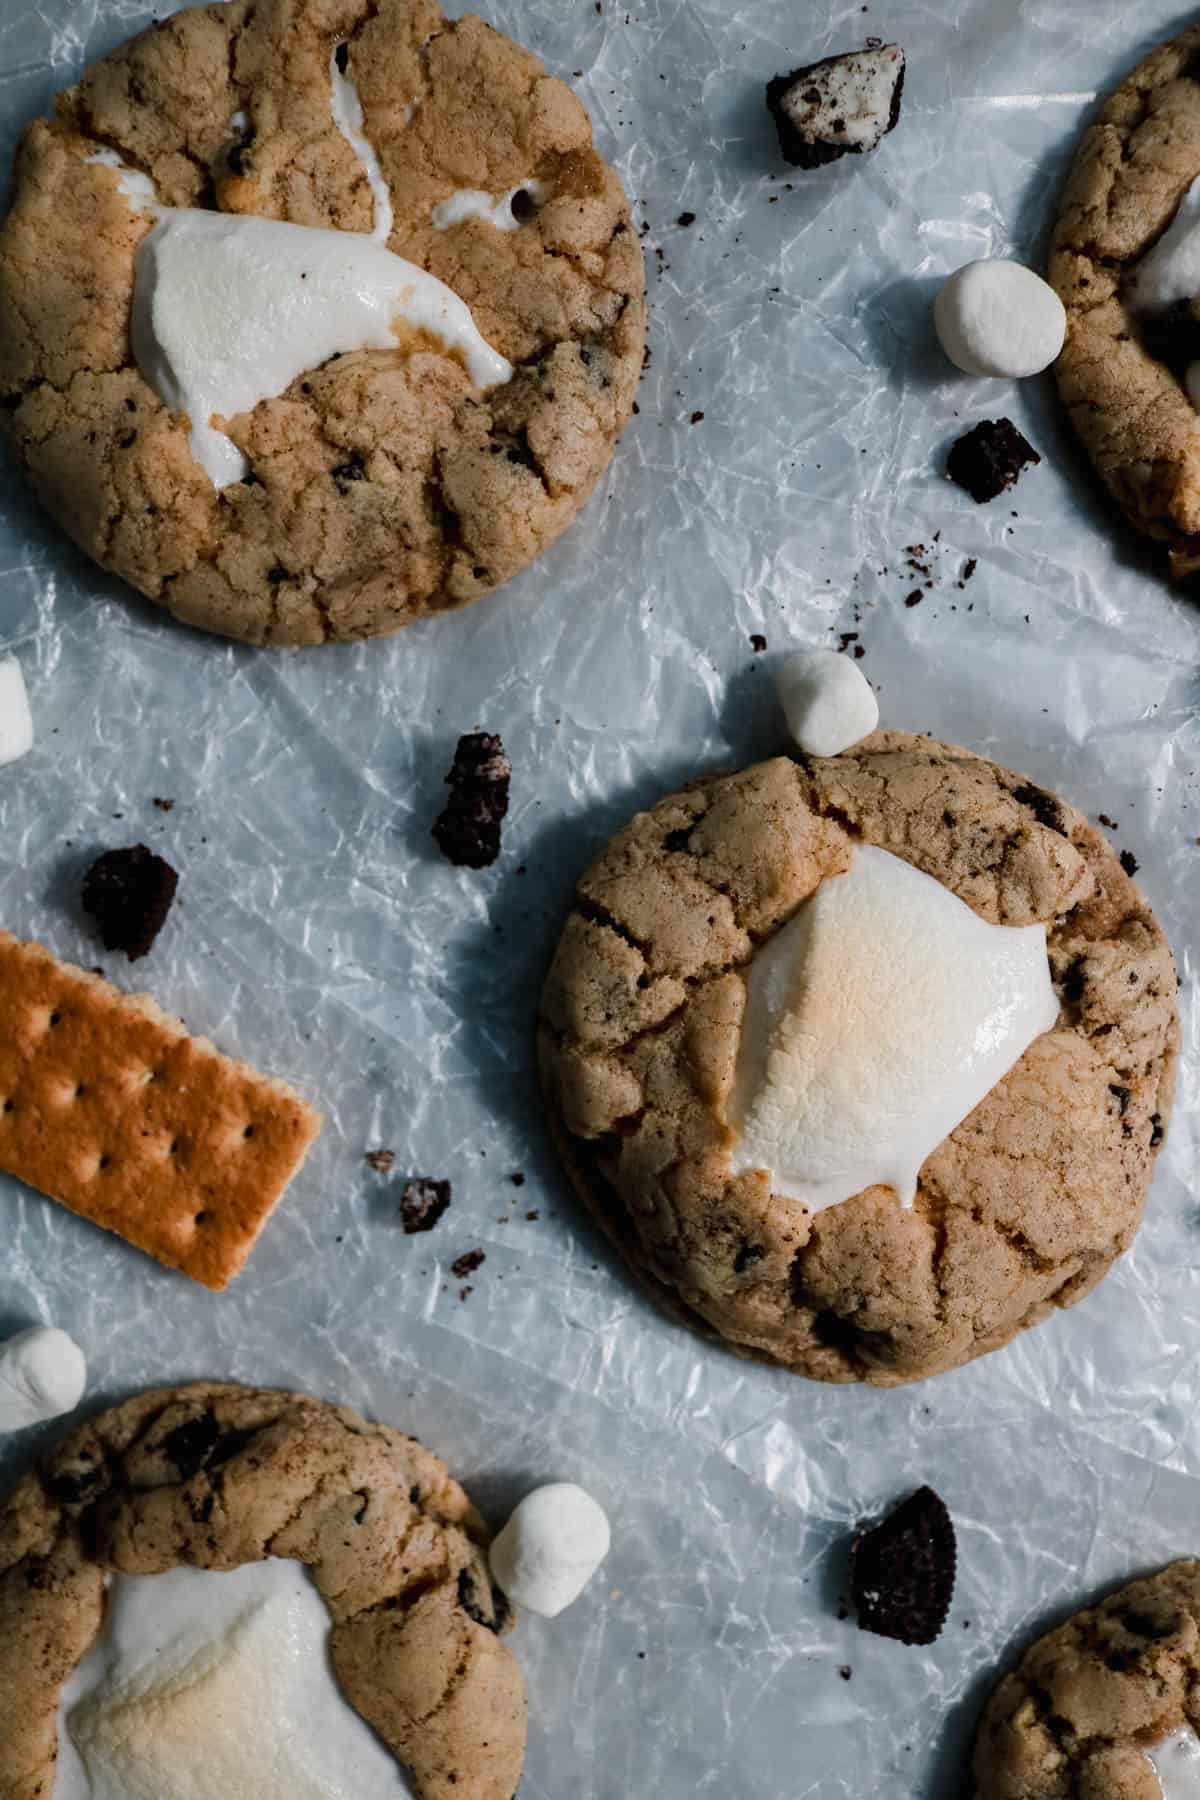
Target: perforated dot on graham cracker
x=108, y=1106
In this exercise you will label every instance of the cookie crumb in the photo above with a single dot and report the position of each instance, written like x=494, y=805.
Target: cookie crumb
x=843, y=105
x=758, y=642
x=163, y=805
x=422, y=1203
x=989, y=458
x=915, y=598
x=129, y=894
x=517, y=1178
x=467, y=1263
x=845, y=1671
x=686, y=218
x=696, y=418
x=382, y=1161
x=467, y=831
x=1128, y=861
x=902, y=1571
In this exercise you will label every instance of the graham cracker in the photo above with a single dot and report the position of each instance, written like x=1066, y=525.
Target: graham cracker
x=108, y=1106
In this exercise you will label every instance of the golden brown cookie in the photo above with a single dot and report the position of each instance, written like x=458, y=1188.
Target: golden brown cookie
x=1131, y=409
x=213, y=1477
x=1023, y=1208
x=382, y=486
x=1074, y=1720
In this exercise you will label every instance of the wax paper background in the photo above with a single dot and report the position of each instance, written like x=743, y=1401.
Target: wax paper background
x=318, y=933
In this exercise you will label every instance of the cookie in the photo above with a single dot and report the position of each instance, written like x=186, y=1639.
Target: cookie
x=1090, y=1705
x=382, y=486
x=110, y=1108
x=1122, y=385
x=214, y=1477
x=1026, y=1204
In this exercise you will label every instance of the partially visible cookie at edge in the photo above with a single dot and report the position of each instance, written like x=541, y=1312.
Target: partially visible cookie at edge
x=381, y=487
x=1021, y=1210
x=1092, y=1703
x=1130, y=409
x=213, y=1476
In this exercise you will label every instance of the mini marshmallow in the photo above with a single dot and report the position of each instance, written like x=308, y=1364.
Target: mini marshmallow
x=551, y=1547
x=827, y=700
x=16, y=720
x=999, y=318
x=42, y=1375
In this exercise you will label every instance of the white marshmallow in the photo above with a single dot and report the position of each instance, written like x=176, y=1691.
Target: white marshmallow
x=999, y=318
x=876, y=1020
x=827, y=700
x=474, y=203
x=1171, y=270
x=137, y=188
x=1176, y=1761
x=16, y=720
x=216, y=1686
x=348, y=117
x=229, y=309
x=551, y=1547
x=42, y=1375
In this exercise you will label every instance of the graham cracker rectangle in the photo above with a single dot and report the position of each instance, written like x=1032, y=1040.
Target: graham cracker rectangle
x=109, y=1106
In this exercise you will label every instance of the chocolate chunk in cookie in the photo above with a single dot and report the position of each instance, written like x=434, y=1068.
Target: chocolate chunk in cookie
x=843, y=105
x=902, y=1572
x=129, y=894
x=422, y=1203
x=467, y=832
x=989, y=458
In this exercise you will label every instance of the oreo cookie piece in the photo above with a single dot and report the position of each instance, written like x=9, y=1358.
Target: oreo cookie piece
x=422, y=1203
x=988, y=459
x=129, y=894
x=842, y=106
x=902, y=1571
x=467, y=831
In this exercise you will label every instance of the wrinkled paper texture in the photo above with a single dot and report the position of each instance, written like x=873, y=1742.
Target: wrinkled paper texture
x=318, y=933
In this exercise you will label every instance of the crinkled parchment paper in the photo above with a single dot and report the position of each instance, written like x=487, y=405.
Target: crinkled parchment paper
x=319, y=934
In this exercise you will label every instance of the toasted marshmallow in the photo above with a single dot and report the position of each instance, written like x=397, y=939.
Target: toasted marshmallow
x=876, y=1020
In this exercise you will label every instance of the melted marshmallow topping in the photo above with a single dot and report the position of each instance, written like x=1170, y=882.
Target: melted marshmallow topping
x=876, y=1020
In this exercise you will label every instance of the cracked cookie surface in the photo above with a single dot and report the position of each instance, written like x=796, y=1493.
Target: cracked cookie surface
x=1022, y=1209
x=1127, y=403
x=1073, y=1720
x=214, y=1476
x=382, y=486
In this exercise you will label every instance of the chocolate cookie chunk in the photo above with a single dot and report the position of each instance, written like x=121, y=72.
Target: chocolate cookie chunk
x=988, y=459
x=902, y=1571
x=844, y=105
x=129, y=894
x=468, y=830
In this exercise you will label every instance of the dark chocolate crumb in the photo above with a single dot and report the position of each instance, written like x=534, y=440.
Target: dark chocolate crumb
x=758, y=642
x=382, y=1161
x=1108, y=824
x=686, y=218
x=517, y=1179
x=915, y=598
x=129, y=894
x=467, y=831
x=533, y=1216
x=1128, y=861
x=902, y=1571
x=969, y=568
x=1157, y=1132
x=467, y=1263
x=696, y=418
x=988, y=459
x=163, y=805
x=422, y=1203
x=845, y=1671
x=522, y=205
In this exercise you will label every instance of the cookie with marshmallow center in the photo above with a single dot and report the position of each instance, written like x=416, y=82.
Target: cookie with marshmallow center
x=319, y=316
x=1105, y=1705
x=863, y=1061
x=1125, y=261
